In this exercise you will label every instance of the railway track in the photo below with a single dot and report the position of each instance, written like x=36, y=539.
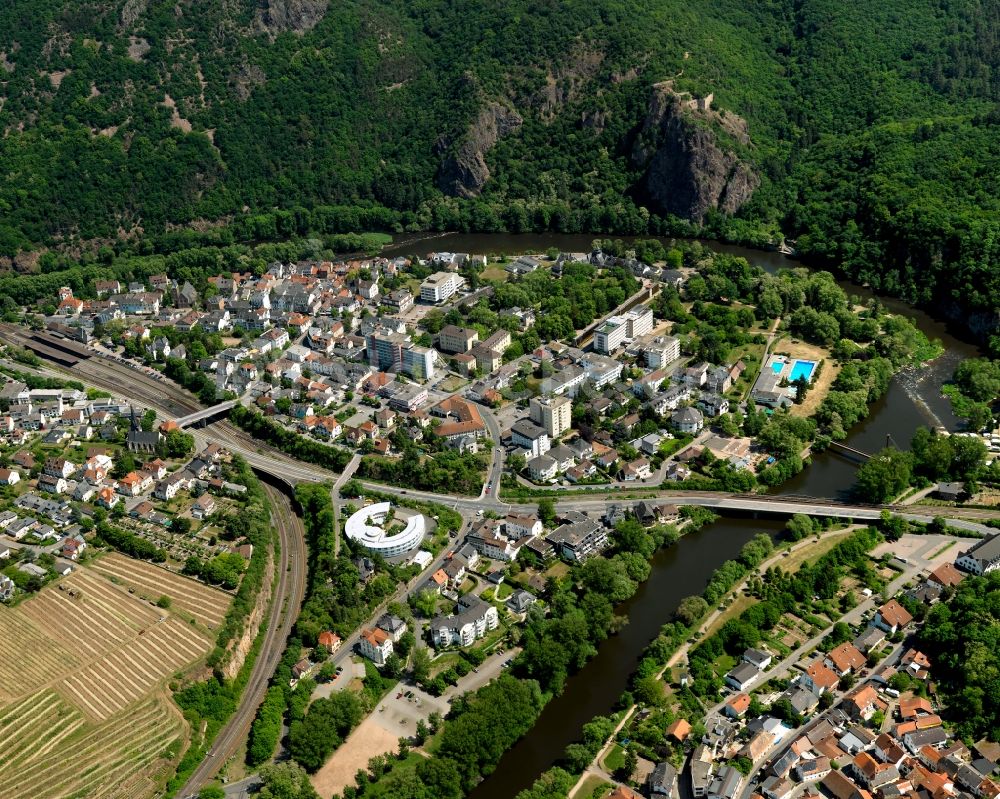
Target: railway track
x=285, y=604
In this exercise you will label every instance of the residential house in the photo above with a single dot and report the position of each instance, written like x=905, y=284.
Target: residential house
x=639, y=469
x=58, y=467
x=662, y=780
x=757, y=658
x=812, y=769
x=203, y=507
x=892, y=616
x=688, y=420
x=520, y=601
x=9, y=477
x=820, y=678
x=845, y=658
x=376, y=645
x=393, y=625
x=518, y=525
x=863, y=703
x=473, y=619
x=52, y=485
x=742, y=676
x=946, y=576
x=737, y=706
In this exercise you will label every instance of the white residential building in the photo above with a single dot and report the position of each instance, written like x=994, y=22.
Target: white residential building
x=440, y=286
x=376, y=645
x=474, y=619
x=554, y=415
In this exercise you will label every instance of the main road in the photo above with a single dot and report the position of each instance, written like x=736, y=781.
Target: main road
x=172, y=401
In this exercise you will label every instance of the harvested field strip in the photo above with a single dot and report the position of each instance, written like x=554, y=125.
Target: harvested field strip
x=123, y=676
x=102, y=759
x=207, y=605
x=115, y=601
x=88, y=743
x=68, y=620
x=47, y=660
x=34, y=728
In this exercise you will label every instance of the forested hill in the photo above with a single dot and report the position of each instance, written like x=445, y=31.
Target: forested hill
x=868, y=131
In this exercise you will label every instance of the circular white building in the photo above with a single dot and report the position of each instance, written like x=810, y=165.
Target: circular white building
x=366, y=528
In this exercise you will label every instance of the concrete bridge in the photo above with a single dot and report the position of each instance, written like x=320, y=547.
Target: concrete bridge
x=205, y=414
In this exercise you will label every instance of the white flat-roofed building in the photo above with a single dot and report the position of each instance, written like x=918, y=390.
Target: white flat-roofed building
x=440, y=286
x=554, y=414
x=639, y=322
x=366, y=528
x=611, y=335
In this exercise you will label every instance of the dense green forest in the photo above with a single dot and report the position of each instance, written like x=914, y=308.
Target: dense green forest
x=960, y=637
x=873, y=129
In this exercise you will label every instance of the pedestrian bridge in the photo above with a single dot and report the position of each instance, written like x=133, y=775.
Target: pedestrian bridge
x=207, y=413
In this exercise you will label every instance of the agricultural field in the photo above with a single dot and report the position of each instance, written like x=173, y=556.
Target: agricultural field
x=86, y=660
x=205, y=605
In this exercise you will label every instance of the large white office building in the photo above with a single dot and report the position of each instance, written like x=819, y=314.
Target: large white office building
x=440, y=286
x=367, y=527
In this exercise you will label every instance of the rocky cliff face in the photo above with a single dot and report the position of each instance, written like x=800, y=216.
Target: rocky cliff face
x=687, y=171
x=240, y=648
x=278, y=16
x=463, y=171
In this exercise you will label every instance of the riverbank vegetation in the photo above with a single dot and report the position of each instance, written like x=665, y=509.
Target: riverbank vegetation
x=776, y=594
x=933, y=457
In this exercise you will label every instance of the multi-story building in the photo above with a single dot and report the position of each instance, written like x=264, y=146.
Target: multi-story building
x=554, y=415
x=376, y=645
x=385, y=349
x=457, y=339
x=440, y=286
x=662, y=351
x=526, y=434
x=522, y=525
x=418, y=362
x=610, y=335
x=474, y=618
x=579, y=538
x=638, y=322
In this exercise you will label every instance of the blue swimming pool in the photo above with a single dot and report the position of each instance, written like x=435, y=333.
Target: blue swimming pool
x=802, y=369
x=777, y=366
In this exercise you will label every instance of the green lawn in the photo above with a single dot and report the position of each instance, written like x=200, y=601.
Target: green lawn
x=614, y=759
x=723, y=664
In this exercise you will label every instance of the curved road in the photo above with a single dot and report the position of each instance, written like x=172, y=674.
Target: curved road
x=284, y=610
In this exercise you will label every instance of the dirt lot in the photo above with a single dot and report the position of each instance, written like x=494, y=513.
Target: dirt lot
x=394, y=717
x=368, y=740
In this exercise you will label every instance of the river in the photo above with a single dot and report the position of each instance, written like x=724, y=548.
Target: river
x=677, y=571
x=914, y=399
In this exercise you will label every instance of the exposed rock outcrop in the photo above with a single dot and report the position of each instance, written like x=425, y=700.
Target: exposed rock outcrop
x=240, y=648
x=463, y=171
x=687, y=170
x=278, y=16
